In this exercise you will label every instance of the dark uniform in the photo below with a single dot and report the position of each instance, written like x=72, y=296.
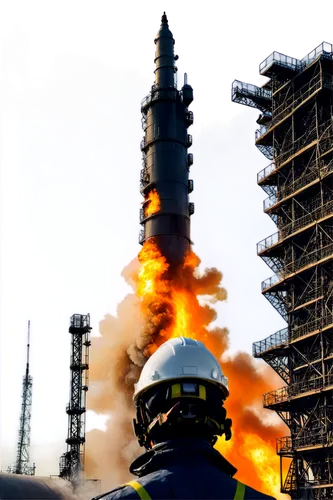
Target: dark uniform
x=183, y=469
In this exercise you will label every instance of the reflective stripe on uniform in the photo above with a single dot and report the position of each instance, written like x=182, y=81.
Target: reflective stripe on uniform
x=141, y=491
x=240, y=491
x=144, y=495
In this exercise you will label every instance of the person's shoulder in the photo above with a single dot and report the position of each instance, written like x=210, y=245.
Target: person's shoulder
x=251, y=494
x=121, y=492
x=233, y=488
x=131, y=491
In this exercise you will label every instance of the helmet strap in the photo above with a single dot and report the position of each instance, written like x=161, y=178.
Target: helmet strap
x=161, y=418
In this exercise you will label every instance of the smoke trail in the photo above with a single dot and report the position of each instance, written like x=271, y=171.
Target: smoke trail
x=115, y=364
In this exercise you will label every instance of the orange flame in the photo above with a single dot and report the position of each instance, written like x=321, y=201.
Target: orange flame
x=171, y=308
x=153, y=266
x=152, y=203
x=256, y=453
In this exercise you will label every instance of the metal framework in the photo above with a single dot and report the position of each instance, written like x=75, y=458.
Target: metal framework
x=21, y=465
x=296, y=133
x=72, y=462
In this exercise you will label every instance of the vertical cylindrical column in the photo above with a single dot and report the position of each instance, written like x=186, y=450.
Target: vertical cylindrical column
x=164, y=56
x=165, y=156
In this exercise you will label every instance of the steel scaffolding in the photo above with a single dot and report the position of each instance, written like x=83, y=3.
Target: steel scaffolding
x=72, y=462
x=296, y=133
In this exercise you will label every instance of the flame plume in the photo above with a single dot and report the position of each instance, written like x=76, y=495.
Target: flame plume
x=167, y=303
x=152, y=203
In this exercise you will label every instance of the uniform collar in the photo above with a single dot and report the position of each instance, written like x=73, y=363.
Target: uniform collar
x=183, y=450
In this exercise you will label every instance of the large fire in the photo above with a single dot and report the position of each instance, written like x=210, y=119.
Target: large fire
x=171, y=305
x=169, y=302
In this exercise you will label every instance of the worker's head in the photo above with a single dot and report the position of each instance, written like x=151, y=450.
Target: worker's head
x=180, y=393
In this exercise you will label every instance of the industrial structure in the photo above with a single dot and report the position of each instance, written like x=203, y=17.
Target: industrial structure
x=296, y=135
x=72, y=462
x=15, y=484
x=22, y=464
x=165, y=158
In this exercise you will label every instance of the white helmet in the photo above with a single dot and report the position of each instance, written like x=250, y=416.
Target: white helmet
x=178, y=358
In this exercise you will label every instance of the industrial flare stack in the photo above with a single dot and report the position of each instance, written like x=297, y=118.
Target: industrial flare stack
x=164, y=182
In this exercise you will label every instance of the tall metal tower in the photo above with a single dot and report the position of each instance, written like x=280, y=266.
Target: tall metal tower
x=296, y=135
x=72, y=462
x=165, y=159
x=22, y=460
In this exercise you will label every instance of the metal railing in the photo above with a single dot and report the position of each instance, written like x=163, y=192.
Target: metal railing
x=322, y=49
x=268, y=242
x=314, y=216
x=270, y=282
x=143, y=144
x=248, y=89
x=279, y=338
x=297, y=331
x=288, y=444
x=144, y=174
x=325, y=135
x=251, y=95
x=262, y=130
x=284, y=445
x=156, y=93
x=281, y=60
x=282, y=337
x=275, y=397
x=190, y=186
x=292, y=147
x=266, y=172
x=270, y=201
x=286, y=393
x=190, y=140
x=297, y=98
x=144, y=178
x=280, y=300
x=75, y=408
x=294, y=266
x=298, y=183
x=308, y=258
x=189, y=117
x=141, y=236
x=189, y=160
x=314, y=172
x=145, y=101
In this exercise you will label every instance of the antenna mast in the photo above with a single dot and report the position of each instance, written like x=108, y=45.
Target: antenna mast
x=22, y=460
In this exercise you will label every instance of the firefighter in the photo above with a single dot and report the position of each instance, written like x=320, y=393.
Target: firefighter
x=179, y=415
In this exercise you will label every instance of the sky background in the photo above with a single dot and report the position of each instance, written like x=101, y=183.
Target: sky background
x=73, y=74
